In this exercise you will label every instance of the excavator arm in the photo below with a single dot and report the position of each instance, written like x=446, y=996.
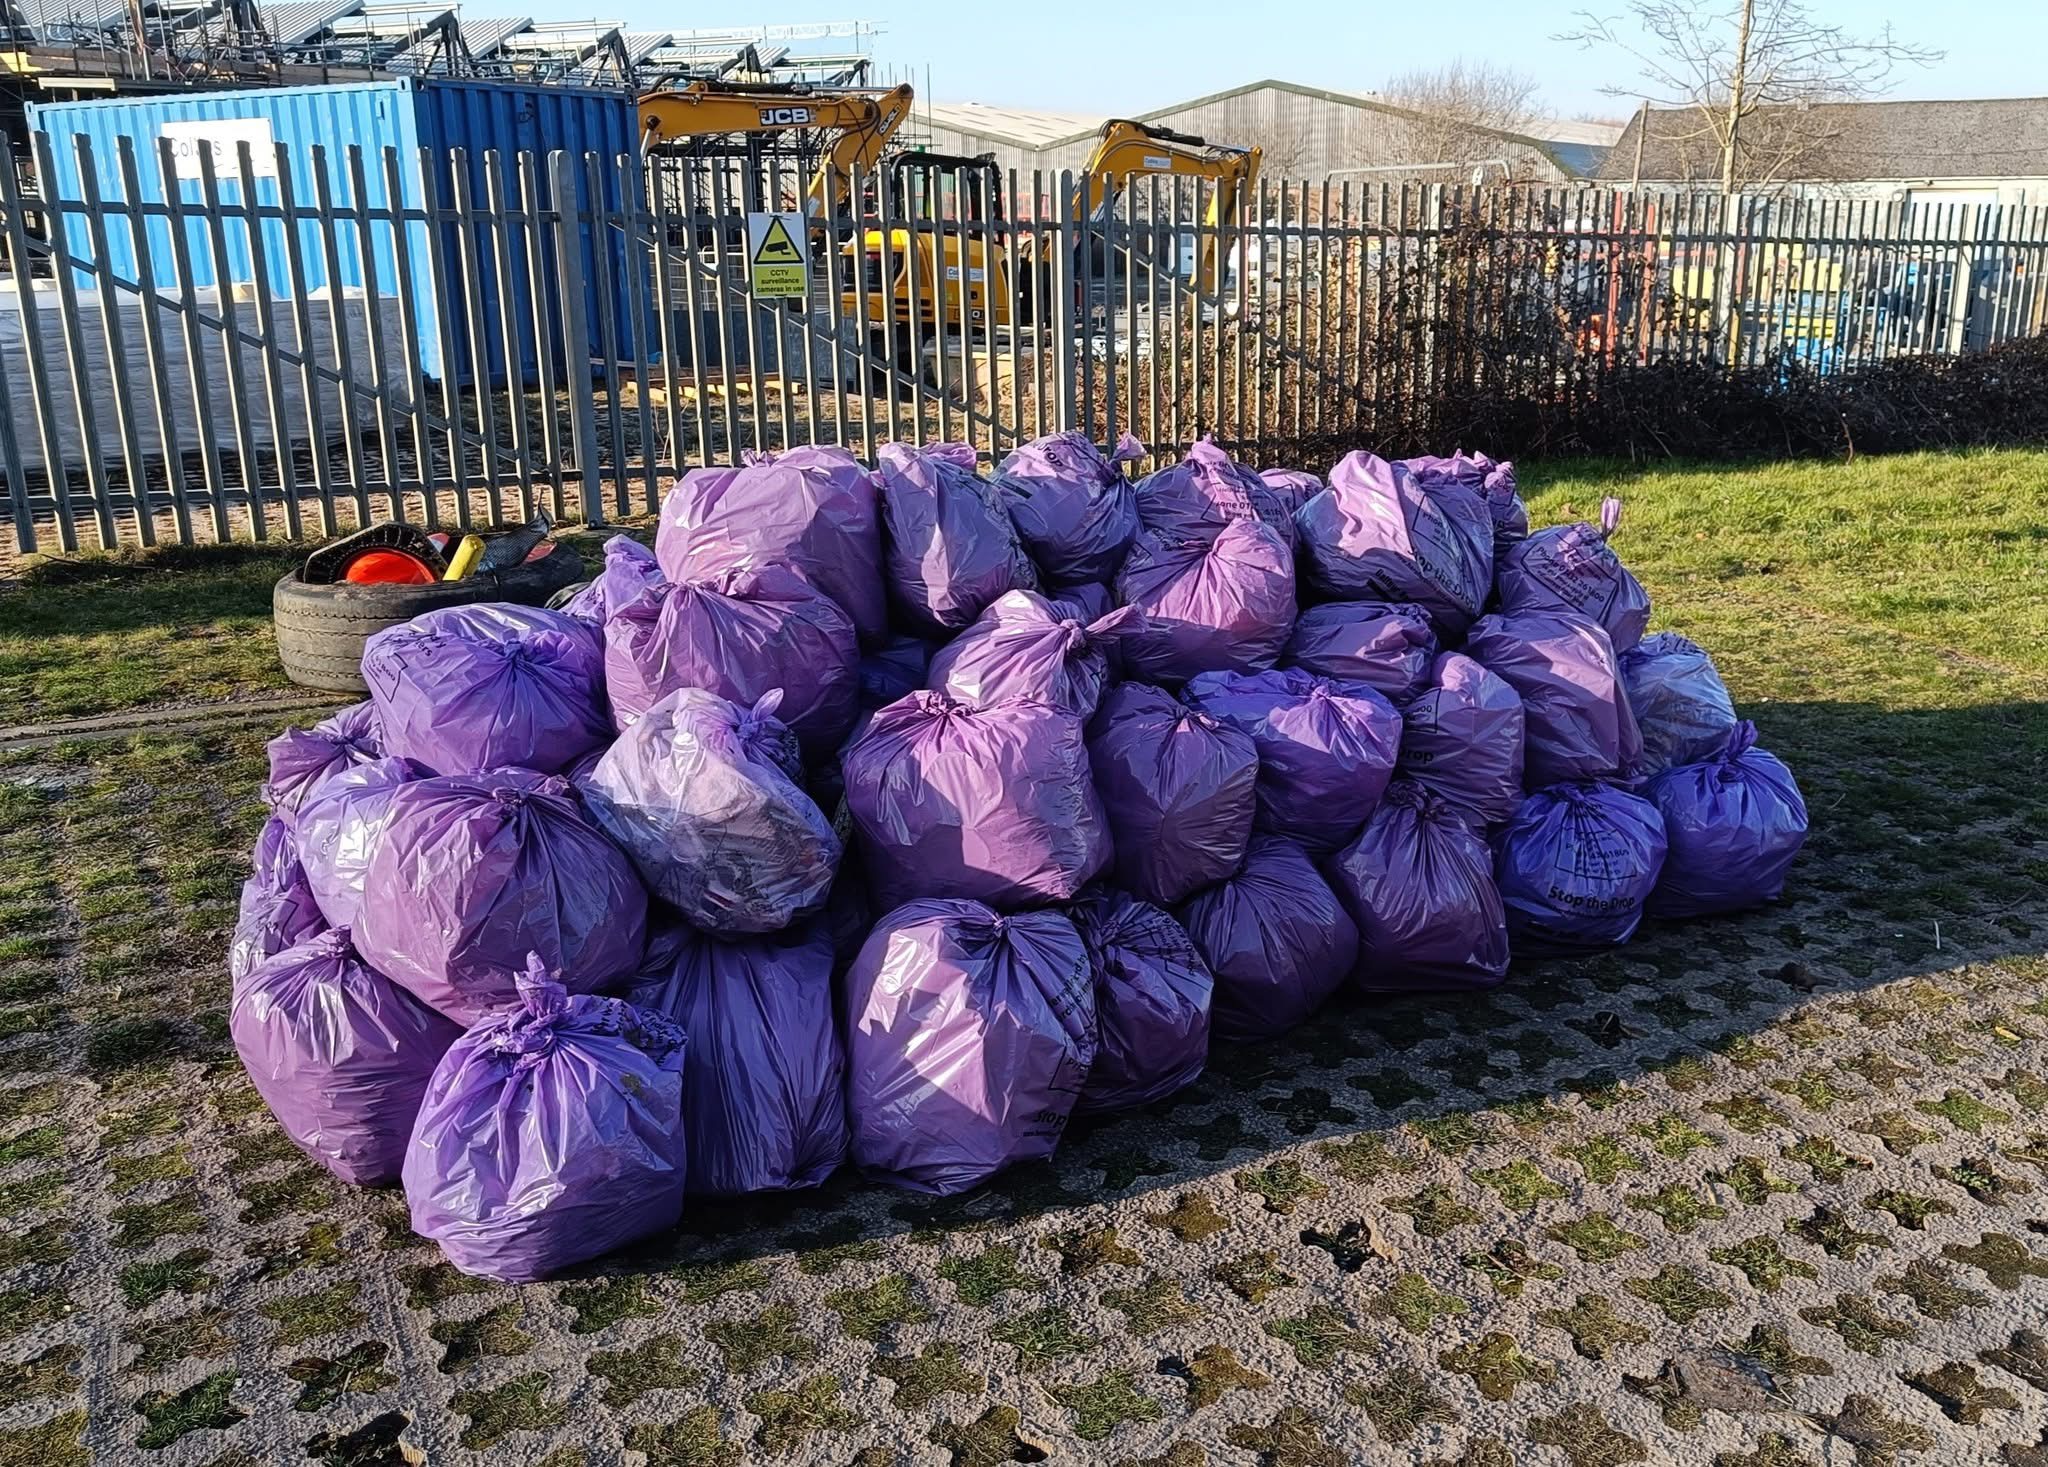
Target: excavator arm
x=858, y=125
x=1126, y=149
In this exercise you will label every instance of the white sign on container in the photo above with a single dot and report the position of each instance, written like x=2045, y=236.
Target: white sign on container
x=225, y=135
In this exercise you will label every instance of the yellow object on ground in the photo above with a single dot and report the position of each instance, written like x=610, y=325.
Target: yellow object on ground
x=464, y=560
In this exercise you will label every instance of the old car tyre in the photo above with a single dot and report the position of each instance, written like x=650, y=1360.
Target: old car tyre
x=321, y=629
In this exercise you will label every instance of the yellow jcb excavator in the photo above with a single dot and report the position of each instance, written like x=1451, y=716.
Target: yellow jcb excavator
x=903, y=272
x=825, y=135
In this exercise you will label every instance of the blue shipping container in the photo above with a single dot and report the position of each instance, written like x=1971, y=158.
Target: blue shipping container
x=405, y=114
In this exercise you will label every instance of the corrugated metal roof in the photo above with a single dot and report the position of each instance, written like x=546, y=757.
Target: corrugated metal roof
x=1026, y=126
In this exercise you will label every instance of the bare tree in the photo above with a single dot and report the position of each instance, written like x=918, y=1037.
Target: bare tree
x=1746, y=74
x=1460, y=110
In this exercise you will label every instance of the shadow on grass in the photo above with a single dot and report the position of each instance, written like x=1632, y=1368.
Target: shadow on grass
x=1924, y=856
x=169, y=586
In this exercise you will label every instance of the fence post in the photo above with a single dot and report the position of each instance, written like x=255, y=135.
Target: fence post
x=1962, y=301
x=575, y=335
x=1066, y=242
x=83, y=394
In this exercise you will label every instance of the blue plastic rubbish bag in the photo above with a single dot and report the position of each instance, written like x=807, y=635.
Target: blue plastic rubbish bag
x=1680, y=703
x=1733, y=824
x=1575, y=866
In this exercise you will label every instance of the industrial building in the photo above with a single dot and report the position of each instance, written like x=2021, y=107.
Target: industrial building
x=1965, y=151
x=1304, y=132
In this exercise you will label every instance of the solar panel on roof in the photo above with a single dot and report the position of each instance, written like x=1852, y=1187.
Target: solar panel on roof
x=301, y=20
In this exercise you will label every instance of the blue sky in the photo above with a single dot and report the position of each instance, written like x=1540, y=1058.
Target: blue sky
x=1107, y=56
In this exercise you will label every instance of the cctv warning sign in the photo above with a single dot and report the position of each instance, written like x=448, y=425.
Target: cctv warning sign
x=778, y=256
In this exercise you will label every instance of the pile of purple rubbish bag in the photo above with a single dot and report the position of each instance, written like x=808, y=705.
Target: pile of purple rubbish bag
x=892, y=817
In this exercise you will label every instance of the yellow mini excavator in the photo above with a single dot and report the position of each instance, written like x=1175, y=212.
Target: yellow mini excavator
x=822, y=136
x=903, y=271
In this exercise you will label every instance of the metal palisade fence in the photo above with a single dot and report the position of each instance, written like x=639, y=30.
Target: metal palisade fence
x=192, y=353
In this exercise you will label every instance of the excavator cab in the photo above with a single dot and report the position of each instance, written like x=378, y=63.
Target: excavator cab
x=945, y=214
x=901, y=279
x=923, y=183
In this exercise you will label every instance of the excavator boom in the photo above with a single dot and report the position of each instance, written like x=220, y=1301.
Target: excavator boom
x=1126, y=150
x=858, y=125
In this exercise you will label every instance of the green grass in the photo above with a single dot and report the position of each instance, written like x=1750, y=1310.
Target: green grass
x=104, y=633
x=1948, y=550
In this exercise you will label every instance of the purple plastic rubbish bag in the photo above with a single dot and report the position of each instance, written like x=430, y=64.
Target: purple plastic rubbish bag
x=1462, y=738
x=968, y=1038
x=1378, y=533
x=1732, y=826
x=1679, y=701
x=1291, y=487
x=1575, y=866
x=751, y=632
x=1276, y=938
x=764, y=1104
x=1072, y=506
x=277, y=907
x=1493, y=480
x=628, y=567
x=993, y=804
x=472, y=872
x=1388, y=647
x=811, y=509
x=579, y=771
x=1219, y=605
x=1152, y=993
x=550, y=1133
x=893, y=669
x=1576, y=718
x=477, y=687
x=1178, y=789
x=1022, y=648
x=1090, y=601
x=339, y=1053
x=950, y=548
x=1195, y=498
x=338, y=830
x=701, y=796
x=1326, y=749
x=301, y=759
x=1418, y=882
x=1572, y=568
